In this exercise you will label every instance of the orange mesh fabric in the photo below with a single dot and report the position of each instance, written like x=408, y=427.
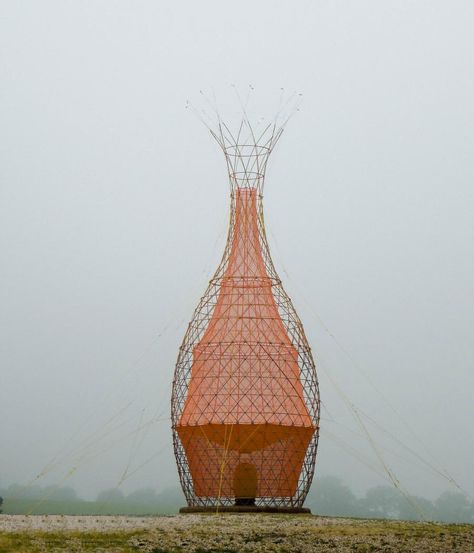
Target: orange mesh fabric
x=245, y=412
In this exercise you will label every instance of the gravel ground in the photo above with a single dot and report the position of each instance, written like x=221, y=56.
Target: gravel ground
x=229, y=533
x=57, y=523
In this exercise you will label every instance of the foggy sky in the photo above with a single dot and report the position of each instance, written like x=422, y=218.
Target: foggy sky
x=113, y=214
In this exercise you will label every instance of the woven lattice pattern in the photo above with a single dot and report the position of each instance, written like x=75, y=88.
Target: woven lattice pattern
x=245, y=405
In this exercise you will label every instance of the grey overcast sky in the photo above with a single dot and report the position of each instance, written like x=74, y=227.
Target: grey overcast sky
x=113, y=212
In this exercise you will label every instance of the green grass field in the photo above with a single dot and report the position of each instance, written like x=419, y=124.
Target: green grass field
x=80, y=507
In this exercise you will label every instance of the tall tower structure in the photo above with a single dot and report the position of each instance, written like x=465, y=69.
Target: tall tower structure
x=245, y=403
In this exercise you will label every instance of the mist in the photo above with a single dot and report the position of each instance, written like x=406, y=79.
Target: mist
x=113, y=217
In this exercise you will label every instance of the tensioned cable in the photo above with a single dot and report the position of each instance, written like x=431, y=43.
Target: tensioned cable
x=101, y=508
x=224, y=461
x=420, y=461
x=89, y=441
x=56, y=460
x=412, y=451
x=132, y=450
x=354, y=411
x=87, y=458
x=441, y=472
x=355, y=453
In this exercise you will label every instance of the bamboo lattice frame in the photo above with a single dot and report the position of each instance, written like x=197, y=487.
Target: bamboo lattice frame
x=245, y=404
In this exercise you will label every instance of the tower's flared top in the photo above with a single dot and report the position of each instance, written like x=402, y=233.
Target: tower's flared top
x=248, y=141
x=247, y=152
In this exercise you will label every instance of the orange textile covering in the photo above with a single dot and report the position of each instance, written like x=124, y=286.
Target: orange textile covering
x=245, y=424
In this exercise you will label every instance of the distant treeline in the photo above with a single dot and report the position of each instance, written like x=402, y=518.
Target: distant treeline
x=18, y=499
x=328, y=496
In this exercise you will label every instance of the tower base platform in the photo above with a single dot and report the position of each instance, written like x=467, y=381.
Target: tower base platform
x=245, y=509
